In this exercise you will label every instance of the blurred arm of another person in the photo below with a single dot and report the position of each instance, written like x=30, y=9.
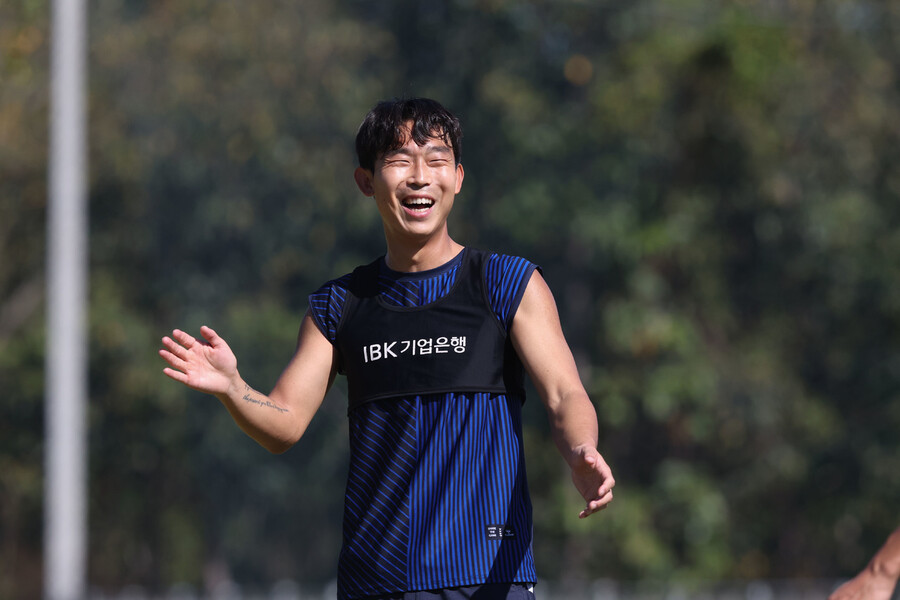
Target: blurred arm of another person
x=878, y=580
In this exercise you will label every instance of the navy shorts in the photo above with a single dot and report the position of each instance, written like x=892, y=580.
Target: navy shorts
x=487, y=591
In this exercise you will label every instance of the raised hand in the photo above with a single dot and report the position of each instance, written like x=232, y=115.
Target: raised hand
x=594, y=480
x=206, y=365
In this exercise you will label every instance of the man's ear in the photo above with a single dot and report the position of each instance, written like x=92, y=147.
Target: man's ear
x=363, y=179
x=460, y=174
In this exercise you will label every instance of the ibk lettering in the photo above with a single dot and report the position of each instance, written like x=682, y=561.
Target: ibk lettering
x=420, y=347
x=378, y=351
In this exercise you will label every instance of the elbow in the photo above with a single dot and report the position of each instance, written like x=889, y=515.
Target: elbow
x=277, y=438
x=277, y=446
x=280, y=445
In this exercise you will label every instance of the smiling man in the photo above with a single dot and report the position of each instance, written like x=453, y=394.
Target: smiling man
x=434, y=339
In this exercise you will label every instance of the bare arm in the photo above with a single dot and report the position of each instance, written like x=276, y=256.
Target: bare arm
x=539, y=341
x=878, y=579
x=275, y=421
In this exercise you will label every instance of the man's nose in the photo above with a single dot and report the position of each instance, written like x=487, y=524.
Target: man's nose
x=419, y=175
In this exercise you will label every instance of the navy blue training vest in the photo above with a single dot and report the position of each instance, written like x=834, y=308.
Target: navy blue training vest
x=455, y=344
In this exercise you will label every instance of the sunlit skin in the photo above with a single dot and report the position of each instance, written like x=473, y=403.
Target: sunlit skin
x=414, y=187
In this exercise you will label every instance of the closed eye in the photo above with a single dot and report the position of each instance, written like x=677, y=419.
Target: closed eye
x=396, y=162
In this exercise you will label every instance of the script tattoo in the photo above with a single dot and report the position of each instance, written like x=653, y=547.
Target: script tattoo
x=249, y=398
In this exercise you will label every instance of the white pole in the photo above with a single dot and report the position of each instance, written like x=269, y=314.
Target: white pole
x=65, y=498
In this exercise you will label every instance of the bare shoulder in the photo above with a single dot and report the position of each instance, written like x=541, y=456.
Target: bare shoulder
x=537, y=301
x=541, y=345
x=311, y=340
x=536, y=324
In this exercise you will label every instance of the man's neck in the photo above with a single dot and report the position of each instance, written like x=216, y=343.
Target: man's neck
x=407, y=258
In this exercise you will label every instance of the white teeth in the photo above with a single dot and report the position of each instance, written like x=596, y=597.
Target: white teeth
x=418, y=202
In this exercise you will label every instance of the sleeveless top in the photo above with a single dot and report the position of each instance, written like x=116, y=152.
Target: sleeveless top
x=436, y=494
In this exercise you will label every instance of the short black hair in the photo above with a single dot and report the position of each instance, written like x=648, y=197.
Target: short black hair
x=383, y=128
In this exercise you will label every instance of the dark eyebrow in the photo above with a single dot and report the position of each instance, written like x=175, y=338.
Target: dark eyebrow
x=435, y=149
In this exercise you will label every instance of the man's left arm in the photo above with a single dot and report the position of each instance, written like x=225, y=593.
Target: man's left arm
x=538, y=338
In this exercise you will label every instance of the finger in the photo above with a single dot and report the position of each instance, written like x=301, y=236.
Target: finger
x=176, y=375
x=600, y=502
x=175, y=348
x=596, y=505
x=211, y=336
x=184, y=338
x=604, y=499
x=596, y=484
x=589, y=511
x=600, y=467
x=174, y=360
x=606, y=487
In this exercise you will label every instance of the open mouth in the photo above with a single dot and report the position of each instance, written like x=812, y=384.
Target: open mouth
x=417, y=205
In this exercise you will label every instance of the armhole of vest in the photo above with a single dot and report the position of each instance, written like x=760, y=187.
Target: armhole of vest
x=349, y=300
x=317, y=320
x=321, y=318
x=365, y=276
x=346, y=308
x=486, y=293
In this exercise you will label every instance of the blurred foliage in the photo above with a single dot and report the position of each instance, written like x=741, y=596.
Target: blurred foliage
x=711, y=188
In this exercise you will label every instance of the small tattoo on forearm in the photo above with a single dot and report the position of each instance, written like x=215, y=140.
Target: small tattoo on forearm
x=268, y=403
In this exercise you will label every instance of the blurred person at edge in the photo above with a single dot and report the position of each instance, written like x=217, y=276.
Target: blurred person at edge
x=878, y=580
x=434, y=339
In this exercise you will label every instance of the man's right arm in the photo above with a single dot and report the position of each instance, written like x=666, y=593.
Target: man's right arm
x=277, y=420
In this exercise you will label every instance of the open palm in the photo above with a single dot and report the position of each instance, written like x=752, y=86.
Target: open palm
x=206, y=365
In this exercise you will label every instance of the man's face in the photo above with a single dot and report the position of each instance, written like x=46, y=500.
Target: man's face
x=414, y=187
